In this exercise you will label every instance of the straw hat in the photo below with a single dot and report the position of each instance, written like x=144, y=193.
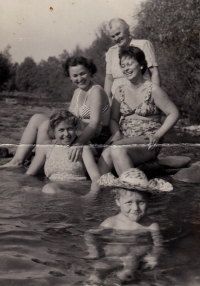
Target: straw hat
x=134, y=178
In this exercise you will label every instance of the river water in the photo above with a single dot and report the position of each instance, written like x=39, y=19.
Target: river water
x=42, y=236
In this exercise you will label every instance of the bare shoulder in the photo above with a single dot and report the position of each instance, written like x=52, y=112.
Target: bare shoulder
x=147, y=222
x=158, y=92
x=109, y=222
x=98, y=93
x=154, y=226
x=97, y=89
x=156, y=88
x=76, y=92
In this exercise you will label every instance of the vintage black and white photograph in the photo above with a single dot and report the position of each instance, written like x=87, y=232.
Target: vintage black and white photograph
x=100, y=143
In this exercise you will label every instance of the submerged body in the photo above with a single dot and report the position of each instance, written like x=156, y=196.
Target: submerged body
x=54, y=155
x=136, y=239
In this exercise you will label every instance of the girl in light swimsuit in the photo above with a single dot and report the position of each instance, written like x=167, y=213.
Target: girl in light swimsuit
x=89, y=103
x=54, y=155
x=135, y=116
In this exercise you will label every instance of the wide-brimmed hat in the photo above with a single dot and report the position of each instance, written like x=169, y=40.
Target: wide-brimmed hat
x=134, y=179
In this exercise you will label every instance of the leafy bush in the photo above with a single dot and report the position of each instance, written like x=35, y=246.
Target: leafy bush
x=173, y=28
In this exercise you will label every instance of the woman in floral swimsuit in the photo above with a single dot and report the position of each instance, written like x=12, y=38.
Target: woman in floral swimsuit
x=136, y=116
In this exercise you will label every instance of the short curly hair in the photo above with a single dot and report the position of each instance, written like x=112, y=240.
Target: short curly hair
x=58, y=117
x=118, y=22
x=79, y=60
x=136, y=54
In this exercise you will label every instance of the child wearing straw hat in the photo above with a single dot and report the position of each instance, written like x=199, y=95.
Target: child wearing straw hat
x=132, y=190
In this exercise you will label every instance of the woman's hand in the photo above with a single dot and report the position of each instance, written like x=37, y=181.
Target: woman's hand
x=75, y=152
x=153, y=141
x=150, y=261
x=116, y=137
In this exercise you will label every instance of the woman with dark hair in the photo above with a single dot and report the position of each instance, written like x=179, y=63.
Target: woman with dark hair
x=89, y=103
x=136, y=116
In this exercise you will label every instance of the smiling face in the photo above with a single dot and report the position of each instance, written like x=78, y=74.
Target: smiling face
x=130, y=68
x=64, y=133
x=120, y=35
x=80, y=76
x=133, y=205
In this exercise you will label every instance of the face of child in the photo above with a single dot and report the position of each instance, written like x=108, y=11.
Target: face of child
x=65, y=133
x=80, y=76
x=133, y=205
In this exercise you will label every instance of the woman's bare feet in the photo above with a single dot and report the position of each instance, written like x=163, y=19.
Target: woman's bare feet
x=13, y=163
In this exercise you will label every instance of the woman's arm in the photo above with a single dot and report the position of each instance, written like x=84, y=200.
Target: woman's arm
x=154, y=73
x=150, y=56
x=96, y=107
x=38, y=160
x=108, y=85
x=152, y=257
x=114, y=119
x=163, y=102
x=92, y=169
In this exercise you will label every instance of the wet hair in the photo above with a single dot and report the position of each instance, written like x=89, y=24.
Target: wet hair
x=136, y=54
x=120, y=192
x=118, y=22
x=79, y=60
x=58, y=117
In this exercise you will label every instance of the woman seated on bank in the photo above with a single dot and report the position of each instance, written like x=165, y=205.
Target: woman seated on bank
x=55, y=155
x=89, y=103
x=136, y=116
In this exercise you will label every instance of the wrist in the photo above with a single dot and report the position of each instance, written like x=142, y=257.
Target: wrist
x=77, y=144
x=158, y=136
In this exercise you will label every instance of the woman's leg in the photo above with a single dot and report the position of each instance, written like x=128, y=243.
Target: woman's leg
x=28, y=140
x=125, y=157
x=105, y=162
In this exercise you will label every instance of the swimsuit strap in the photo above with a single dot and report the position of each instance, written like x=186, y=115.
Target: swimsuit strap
x=149, y=92
x=121, y=93
x=51, y=150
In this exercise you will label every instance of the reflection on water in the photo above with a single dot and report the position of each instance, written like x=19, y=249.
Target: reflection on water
x=43, y=236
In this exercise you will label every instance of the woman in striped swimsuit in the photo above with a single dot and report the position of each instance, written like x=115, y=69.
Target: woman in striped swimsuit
x=89, y=103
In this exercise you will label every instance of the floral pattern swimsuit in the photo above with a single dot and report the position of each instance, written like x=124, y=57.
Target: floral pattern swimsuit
x=131, y=127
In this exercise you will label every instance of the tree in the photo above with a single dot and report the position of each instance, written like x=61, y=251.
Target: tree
x=5, y=67
x=173, y=27
x=26, y=75
x=97, y=52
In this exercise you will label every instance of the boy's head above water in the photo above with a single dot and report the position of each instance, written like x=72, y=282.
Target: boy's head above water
x=133, y=204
